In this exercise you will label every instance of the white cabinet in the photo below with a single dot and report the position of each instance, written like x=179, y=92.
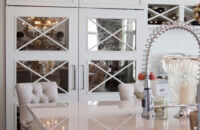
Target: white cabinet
x=110, y=46
x=41, y=46
x=132, y=4
x=186, y=2
x=126, y=4
x=88, y=52
x=64, y=3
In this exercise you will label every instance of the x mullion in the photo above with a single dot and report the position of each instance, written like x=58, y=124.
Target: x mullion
x=42, y=33
x=111, y=76
x=111, y=35
x=52, y=71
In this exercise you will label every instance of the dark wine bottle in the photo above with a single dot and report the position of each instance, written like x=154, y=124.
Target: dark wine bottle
x=151, y=22
x=159, y=22
x=155, y=22
x=160, y=10
x=174, y=17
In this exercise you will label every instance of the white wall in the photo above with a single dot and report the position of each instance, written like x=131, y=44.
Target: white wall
x=2, y=67
x=174, y=41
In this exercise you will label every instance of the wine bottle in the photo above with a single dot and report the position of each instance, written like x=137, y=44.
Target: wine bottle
x=160, y=10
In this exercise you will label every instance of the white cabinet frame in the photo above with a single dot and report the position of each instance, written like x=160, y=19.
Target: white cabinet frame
x=173, y=2
x=128, y=4
x=64, y=3
x=85, y=56
x=13, y=55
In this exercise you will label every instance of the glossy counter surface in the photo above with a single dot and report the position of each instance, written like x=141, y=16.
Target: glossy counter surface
x=109, y=115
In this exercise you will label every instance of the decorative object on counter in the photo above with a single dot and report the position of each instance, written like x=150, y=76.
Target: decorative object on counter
x=126, y=91
x=197, y=13
x=163, y=66
x=161, y=113
x=142, y=76
x=162, y=71
x=139, y=94
x=148, y=101
x=152, y=76
x=139, y=90
x=182, y=78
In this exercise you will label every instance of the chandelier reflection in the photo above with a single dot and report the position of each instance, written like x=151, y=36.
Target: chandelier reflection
x=41, y=23
x=55, y=123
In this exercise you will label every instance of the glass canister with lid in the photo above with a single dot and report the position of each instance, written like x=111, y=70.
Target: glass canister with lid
x=161, y=113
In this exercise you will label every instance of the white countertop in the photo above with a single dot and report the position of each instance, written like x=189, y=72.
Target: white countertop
x=93, y=115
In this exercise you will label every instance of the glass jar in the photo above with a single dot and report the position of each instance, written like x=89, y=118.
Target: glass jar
x=161, y=113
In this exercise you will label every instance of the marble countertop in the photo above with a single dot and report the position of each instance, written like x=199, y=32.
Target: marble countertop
x=106, y=115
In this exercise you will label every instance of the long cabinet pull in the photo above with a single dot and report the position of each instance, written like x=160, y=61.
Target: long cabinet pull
x=83, y=67
x=74, y=69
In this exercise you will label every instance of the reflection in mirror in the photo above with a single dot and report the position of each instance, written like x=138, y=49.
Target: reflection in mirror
x=105, y=76
x=61, y=123
x=30, y=33
x=43, y=71
x=111, y=35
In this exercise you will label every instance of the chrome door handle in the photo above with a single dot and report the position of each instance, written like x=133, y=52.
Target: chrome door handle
x=83, y=67
x=74, y=69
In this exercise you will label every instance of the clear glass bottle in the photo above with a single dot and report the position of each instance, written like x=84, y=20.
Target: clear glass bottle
x=161, y=113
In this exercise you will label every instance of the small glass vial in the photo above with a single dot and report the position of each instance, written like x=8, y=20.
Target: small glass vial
x=161, y=113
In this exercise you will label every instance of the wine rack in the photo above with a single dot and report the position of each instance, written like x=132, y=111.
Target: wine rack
x=160, y=14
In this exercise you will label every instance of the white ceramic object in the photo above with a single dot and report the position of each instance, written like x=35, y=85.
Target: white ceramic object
x=155, y=88
x=126, y=91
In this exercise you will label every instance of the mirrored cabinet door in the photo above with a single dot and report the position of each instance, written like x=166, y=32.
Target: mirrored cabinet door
x=65, y=3
x=42, y=46
x=110, y=47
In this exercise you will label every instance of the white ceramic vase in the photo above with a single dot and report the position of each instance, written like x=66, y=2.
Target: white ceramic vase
x=126, y=91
